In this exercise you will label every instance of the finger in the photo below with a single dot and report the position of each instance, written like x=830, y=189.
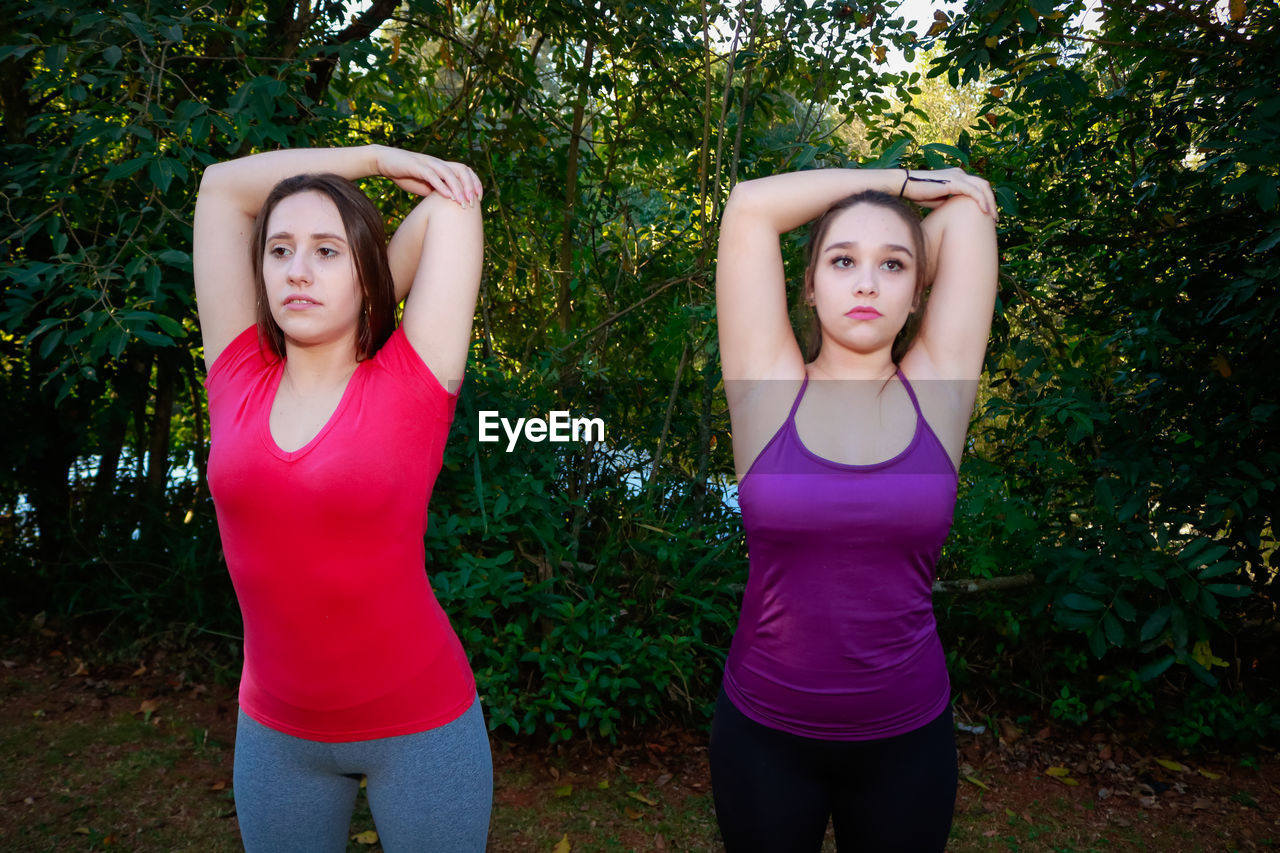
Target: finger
x=471, y=181
x=441, y=179
x=461, y=174
x=456, y=180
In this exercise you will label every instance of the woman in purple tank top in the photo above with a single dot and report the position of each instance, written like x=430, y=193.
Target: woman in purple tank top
x=836, y=703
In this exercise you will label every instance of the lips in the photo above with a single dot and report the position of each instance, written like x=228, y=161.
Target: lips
x=299, y=301
x=863, y=312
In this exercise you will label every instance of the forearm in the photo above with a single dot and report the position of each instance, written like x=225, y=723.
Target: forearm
x=246, y=182
x=787, y=201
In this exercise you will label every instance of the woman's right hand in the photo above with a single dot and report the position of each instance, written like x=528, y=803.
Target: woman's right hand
x=930, y=188
x=423, y=174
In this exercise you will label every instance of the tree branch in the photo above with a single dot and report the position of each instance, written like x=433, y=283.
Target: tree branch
x=984, y=584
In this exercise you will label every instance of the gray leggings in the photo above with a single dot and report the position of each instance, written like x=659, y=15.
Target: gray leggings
x=430, y=791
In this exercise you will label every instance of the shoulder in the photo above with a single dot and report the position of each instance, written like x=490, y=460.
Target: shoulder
x=243, y=356
x=399, y=362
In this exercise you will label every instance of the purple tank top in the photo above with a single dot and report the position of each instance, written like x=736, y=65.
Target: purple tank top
x=837, y=638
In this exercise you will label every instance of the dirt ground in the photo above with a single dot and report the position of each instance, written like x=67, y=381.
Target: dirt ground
x=139, y=758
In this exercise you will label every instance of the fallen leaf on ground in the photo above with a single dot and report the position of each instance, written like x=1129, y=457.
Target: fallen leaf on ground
x=1171, y=765
x=1063, y=775
x=974, y=780
x=562, y=846
x=634, y=814
x=1208, y=774
x=218, y=786
x=564, y=790
x=636, y=795
x=369, y=836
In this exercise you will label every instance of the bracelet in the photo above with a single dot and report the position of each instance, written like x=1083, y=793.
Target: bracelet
x=919, y=180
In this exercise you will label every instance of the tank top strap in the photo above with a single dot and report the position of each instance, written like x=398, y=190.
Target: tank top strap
x=791, y=416
x=911, y=393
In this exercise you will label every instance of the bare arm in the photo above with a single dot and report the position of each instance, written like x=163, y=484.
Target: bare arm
x=963, y=256
x=446, y=244
x=756, y=341
x=231, y=194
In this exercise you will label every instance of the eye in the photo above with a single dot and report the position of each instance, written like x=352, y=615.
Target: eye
x=327, y=252
x=279, y=251
x=842, y=262
x=894, y=265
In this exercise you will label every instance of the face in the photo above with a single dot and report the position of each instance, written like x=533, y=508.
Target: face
x=864, y=279
x=309, y=271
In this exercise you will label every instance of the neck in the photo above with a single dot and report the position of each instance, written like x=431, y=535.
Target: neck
x=316, y=366
x=835, y=362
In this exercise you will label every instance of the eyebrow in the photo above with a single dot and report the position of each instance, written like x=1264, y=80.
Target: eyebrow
x=845, y=244
x=320, y=235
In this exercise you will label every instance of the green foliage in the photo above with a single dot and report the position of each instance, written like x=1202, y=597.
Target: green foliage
x=1125, y=448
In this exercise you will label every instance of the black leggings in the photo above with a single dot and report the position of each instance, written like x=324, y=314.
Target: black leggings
x=775, y=791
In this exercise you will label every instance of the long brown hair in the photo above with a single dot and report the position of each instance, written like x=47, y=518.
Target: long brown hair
x=367, y=239
x=818, y=233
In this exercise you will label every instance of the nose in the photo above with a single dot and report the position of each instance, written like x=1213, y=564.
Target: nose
x=299, y=270
x=864, y=281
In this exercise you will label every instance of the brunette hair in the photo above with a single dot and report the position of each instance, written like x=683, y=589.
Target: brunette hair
x=818, y=232
x=367, y=240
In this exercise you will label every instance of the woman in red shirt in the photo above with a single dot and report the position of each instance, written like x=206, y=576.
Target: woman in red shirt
x=328, y=425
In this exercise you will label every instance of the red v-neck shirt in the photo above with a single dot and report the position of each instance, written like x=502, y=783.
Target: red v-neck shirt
x=343, y=637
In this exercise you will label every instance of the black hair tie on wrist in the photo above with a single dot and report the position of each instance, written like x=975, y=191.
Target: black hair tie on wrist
x=919, y=180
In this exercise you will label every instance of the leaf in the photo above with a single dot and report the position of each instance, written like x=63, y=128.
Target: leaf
x=562, y=846
x=1063, y=775
x=564, y=790
x=1204, y=655
x=1236, y=10
x=369, y=836
x=128, y=167
x=1169, y=764
x=974, y=780
x=636, y=795
x=1208, y=774
x=634, y=814
x=1076, y=601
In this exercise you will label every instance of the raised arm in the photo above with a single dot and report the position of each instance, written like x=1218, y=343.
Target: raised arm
x=439, y=249
x=231, y=194
x=756, y=341
x=962, y=251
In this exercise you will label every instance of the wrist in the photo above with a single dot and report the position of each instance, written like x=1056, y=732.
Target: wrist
x=374, y=154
